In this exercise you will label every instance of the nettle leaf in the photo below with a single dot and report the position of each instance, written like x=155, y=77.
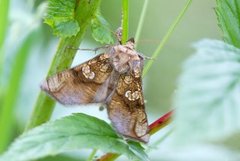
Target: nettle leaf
x=69, y=133
x=228, y=13
x=101, y=31
x=208, y=95
x=60, y=17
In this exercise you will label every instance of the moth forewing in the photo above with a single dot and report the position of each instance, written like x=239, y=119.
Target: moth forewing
x=81, y=84
x=126, y=107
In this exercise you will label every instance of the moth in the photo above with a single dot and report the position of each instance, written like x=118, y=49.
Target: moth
x=112, y=78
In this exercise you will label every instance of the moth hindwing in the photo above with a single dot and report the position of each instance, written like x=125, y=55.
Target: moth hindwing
x=114, y=79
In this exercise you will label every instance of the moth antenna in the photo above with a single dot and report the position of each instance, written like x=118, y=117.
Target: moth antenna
x=94, y=50
x=149, y=58
x=146, y=57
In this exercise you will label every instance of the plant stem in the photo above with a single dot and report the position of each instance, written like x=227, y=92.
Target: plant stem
x=62, y=60
x=125, y=17
x=4, y=11
x=12, y=91
x=166, y=37
x=109, y=157
x=91, y=156
x=141, y=21
x=160, y=123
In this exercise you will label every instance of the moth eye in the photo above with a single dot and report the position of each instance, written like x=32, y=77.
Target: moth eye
x=128, y=79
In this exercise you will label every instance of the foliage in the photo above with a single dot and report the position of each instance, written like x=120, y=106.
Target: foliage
x=70, y=133
x=209, y=91
x=207, y=99
x=100, y=30
x=228, y=13
x=62, y=17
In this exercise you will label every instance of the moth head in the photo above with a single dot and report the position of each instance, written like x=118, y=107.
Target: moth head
x=130, y=44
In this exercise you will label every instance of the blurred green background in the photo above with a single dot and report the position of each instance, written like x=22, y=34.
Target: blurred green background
x=29, y=46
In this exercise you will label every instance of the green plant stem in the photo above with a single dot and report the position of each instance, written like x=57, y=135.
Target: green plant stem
x=166, y=37
x=141, y=22
x=4, y=7
x=12, y=91
x=62, y=60
x=125, y=17
x=4, y=11
x=92, y=155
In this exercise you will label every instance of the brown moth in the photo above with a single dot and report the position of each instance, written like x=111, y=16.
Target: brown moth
x=112, y=78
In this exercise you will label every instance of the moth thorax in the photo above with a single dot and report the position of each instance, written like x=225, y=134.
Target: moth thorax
x=120, y=63
x=130, y=44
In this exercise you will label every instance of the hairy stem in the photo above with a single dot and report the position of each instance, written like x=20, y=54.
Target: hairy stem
x=125, y=13
x=4, y=11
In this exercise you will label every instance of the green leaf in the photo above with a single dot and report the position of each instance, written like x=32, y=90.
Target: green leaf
x=66, y=134
x=228, y=13
x=101, y=31
x=61, y=158
x=208, y=95
x=138, y=150
x=61, y=17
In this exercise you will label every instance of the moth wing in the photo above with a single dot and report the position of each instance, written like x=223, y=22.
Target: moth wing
x=85, y=83
x=126, y=108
